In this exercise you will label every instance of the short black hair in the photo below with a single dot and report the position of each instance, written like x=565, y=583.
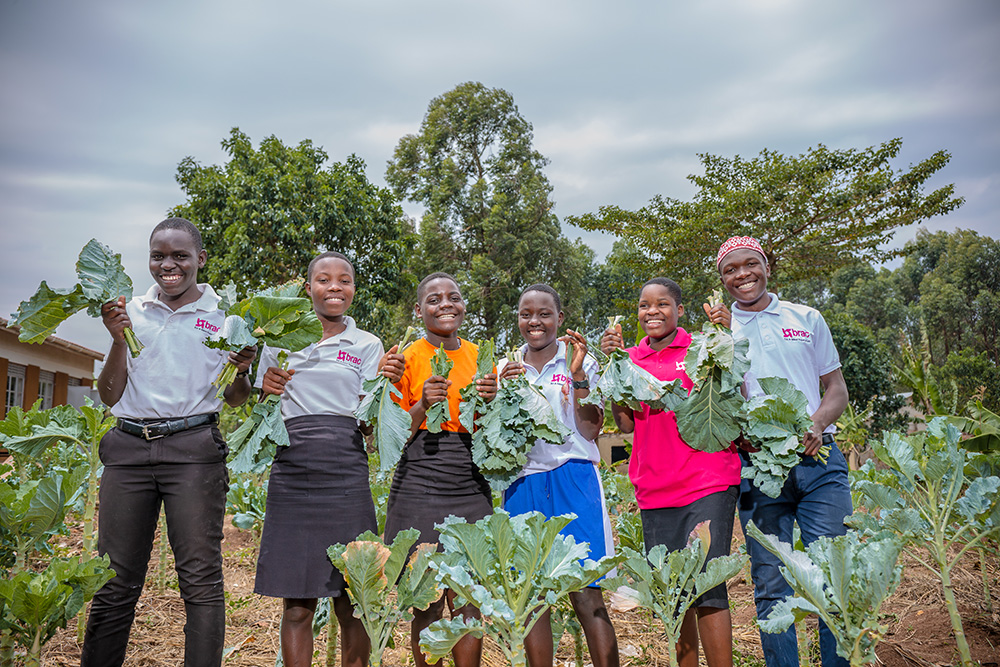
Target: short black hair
x=542, y=287
x=434, y=276
x=327, y=255
x=672, y=287
x=184, y=226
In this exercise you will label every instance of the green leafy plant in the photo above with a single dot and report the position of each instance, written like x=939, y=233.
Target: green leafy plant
x=371, y=569
x=390, y=423
x=102, y=279
x=623, y=382
x=925, y=498
x=844, y=580
x=708, y=419
x=277, y=317
x=33, y=605
x=668, y=583
x=472, y=403
x=247, y=502
x=517, y=417
x=510, y=568
x=253, y=445
x=773, y=423
x=439, y=413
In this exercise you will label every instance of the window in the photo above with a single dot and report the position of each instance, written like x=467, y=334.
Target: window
x=46, y=385
x=15, y=386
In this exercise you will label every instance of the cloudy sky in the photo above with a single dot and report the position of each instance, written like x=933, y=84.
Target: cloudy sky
x=100, y=100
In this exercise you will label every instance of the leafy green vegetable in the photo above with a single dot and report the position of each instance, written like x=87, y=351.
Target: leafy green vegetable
x=774, y=423
x=925, y=498
x=439, y=412
x=623, y=382
x=708, y=419
x=668, y=583
x=390, y=423
x=517, y=417
x=844, y=581
x=247, y=501
x=252, y=446
x=371, y=569
x=472, y=403
x=276, y=316
x=102, y=278
x=510, y=568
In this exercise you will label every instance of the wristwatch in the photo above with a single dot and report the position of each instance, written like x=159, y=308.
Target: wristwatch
x=581, y=384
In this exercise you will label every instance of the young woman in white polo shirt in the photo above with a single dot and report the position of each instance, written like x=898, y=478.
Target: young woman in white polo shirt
x=166, y=449
x=318, y=493
x=558, y=479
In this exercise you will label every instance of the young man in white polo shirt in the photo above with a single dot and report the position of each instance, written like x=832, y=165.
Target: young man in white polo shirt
x=165, y=449
x=791, y=341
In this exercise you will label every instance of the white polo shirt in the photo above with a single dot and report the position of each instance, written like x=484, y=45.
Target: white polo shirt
x=554, y=380
x=172, y=376
x=328, y=374
x=787, y=340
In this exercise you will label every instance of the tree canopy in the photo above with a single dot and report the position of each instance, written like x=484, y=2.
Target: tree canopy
x=488, y=218
x=281, y=203
x=812, y=213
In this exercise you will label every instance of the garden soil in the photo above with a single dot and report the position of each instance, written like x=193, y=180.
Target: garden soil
x=918, y=629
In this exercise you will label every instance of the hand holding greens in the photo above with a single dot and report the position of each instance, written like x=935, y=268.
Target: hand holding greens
x=277, y=317
x=439, y=412
x=623, y=382
x=102, y=280
x=517, y=417
x=390, y=423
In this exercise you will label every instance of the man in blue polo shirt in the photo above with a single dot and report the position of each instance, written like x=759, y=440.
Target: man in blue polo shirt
x=792, y=341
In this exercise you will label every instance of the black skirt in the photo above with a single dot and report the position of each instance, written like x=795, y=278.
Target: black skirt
x=317, y=495
x=436, y=478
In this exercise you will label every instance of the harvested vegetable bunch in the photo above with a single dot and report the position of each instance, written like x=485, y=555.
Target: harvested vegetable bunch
x=774, y=424
x=252, y=446
x=102, y=279
x=472, y=403
x=709, y=418
x=277, y=316
x=389, y=421
x=623, y=382
x=440, y=412
x=517, y=417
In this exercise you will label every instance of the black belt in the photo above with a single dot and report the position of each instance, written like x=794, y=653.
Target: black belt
x=151, y=429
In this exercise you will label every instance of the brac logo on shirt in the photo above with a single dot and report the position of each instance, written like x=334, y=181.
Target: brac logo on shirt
x=795, y=334
x=206, y=326
x=559, y=378
x=351, y=359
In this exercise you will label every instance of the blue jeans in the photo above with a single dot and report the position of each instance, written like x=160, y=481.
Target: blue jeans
x=818, y=497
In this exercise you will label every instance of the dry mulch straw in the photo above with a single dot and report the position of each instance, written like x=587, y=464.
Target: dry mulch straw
x=919, y=630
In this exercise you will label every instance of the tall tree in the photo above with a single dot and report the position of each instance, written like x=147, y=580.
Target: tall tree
x=813, y=213
x=488, y=217
x=266, y=213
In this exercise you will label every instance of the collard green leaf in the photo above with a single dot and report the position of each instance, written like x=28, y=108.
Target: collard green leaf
x=440, y=412
x=252, y=446
x=227, y=297
x=708, y=419
x=40, y=315
x=472, y=403
x=389, y=421
x=102, y=276
x=625, y=383
x=233, y=335
x=773, y=423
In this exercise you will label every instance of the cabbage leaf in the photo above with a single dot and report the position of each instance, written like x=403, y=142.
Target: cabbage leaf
x=102, y=279
x=389, y=421
x=472, y=403
x=253, y=445
x=440, y=412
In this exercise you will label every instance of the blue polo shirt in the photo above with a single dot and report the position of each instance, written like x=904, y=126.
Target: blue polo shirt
x=790, y=341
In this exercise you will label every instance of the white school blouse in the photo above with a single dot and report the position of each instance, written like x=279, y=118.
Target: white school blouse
x=172, y=376
x=328, y=374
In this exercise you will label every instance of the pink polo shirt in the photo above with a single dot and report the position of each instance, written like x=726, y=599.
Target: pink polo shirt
x=665, y=471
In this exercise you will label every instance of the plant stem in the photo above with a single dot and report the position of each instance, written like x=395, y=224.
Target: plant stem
x=986, y=583
x=949, y=599
x=161, y=568
x=331, y=638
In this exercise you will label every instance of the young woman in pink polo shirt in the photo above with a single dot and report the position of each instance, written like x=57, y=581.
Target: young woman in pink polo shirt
x=678, y=487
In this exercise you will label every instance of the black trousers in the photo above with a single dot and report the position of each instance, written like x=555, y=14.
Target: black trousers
x=186, y=472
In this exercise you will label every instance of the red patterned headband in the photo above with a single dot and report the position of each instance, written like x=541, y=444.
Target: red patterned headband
x=739, y=243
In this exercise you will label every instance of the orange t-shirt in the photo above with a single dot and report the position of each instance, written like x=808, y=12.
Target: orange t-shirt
x=418, y=369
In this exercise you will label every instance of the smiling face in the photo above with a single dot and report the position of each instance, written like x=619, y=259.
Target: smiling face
x=174, y=260
x=331, y=288
x=539, y=319
x=658, y=314
x=744, y=274
x=442, y=308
